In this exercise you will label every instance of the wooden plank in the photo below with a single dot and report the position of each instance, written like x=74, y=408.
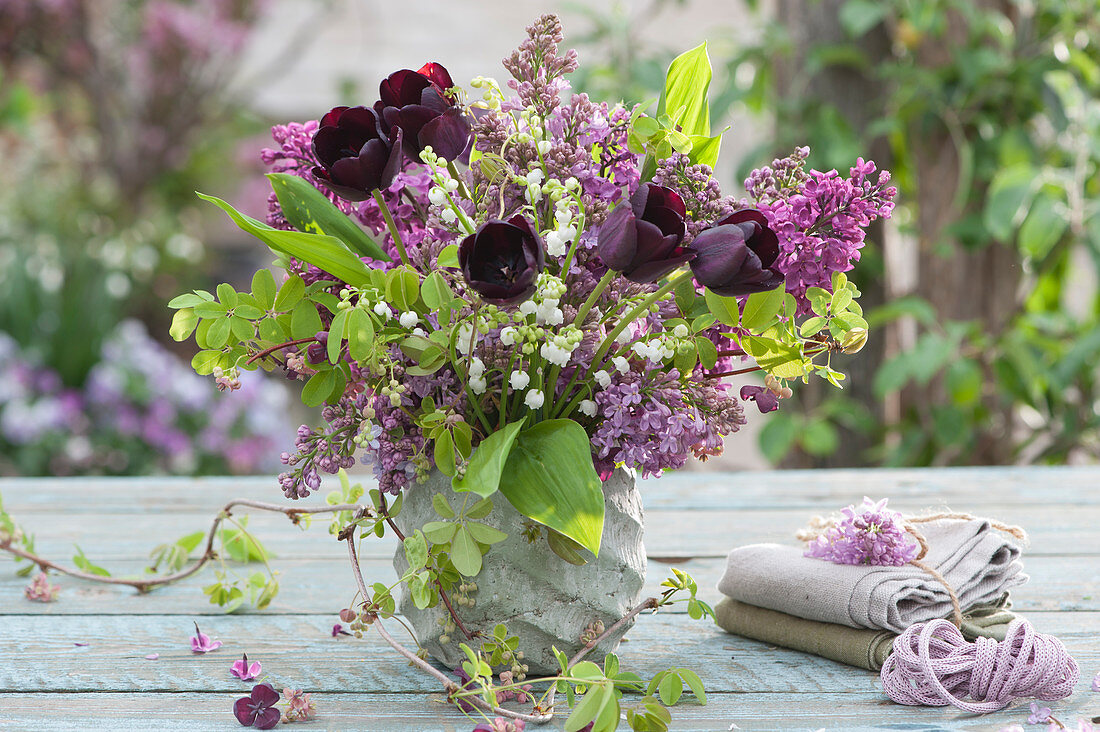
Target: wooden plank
x=687, y=490
x=211, y=712
x=318, y=586
x=1053, y=530
x=39, y=655
x=323, y=586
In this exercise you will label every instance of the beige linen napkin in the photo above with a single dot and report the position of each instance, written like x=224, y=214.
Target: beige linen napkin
x=978, y=562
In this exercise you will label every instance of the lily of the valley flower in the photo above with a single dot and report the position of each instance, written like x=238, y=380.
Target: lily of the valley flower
x=737, y=255
x=258, y=708
x=202, y=643
x=244, y=670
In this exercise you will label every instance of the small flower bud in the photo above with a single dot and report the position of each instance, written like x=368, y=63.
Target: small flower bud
x=854, y=340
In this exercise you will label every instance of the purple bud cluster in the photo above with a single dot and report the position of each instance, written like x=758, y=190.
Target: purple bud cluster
x=698, y=188
x=328, y=448
x=537, y=67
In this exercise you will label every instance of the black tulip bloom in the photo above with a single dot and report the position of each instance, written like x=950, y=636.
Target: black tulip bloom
x=737, y=255
x=416, y=103
x=644, y=240
x=502, y=260
x=356, y=157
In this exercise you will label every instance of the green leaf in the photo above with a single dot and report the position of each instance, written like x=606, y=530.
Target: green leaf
x=325, y=252
x=290, y=294
x=440, y=532
x=465, y=554
x=444, y=452
x=360, y=333
x=189, y=542
x=812, y=326
x=435, y=291
x=263, y=288
x=551, y=480
x=204, y=362
x=307, y=209
x=317, y=389
x=1045, y=224
x=481, y=509
x=485, y=534
x=708, y=352
x=1008, y=196
x=565, y=548
x=82, y=562
x=487, y=463
x=336, y=331
x=670, y=689
x=442, y=507
x=416, y=550
x=859, y=16
x=242, y=546
x=782, y=360
x=186, y=300
x=184, y=323
x=219, y=332
x=694, y=683
x=402, y=288
x=590, y=707
x=761, y=308
x=304, y=320
x=725, y=309
x=704, y=150
x=448, y=257
x=686, y=85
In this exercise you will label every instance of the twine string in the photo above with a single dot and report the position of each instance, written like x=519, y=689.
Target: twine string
x=934, y=665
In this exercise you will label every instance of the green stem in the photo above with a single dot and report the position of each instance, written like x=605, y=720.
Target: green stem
x=591, y=301
x=463, y=191
x=394, y=233
x=639, y=310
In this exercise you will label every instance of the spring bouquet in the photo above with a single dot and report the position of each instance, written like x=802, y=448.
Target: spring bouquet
x=523, y=292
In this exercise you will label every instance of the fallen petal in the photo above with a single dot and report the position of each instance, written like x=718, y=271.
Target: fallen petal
x=152, y=657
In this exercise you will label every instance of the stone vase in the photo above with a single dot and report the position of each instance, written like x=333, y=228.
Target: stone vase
x=541, y=598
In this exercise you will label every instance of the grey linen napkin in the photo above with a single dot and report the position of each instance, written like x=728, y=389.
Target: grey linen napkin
x=977, y=561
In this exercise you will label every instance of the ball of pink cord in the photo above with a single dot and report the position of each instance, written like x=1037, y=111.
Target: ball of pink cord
x=934, y=665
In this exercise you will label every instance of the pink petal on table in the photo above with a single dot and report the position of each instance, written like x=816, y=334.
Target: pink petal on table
x=152, y=657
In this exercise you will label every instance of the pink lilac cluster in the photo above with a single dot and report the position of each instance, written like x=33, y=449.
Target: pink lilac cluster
x=140, y=410
x=871, y=534
x=820, y=218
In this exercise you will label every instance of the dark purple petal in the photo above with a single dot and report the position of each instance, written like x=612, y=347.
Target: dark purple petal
x=766, y=401
x=267, y=718
x=264, y=694
x=661, y=197
x=654, y=271
x=448, y=135
x=618, y=239
x=721, y=253
x=668, y=221
x=501, y=261
x=242, y=710
x=402, y=87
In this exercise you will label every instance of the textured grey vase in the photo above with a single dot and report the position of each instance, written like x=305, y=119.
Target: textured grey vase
x=543, y=600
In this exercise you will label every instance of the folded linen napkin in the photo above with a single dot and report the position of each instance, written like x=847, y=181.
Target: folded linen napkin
x=854, y=646
x=978, y=562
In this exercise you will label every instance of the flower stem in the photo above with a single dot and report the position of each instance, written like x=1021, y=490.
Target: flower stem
x=591, y=301
x=462, y=190
x=394, y=233
x=268, y=351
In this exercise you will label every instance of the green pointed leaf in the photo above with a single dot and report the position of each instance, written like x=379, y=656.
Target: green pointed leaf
x=440, y=532
x=186, y=300
x=694, y=683
x=670, y=689
x=551, y=480
x=487, y=463
x=704, y=150
x=325, y=252
x=725, y=309
x=290, y=294
x=183, y=324
x=304, y=320
x=442, y=507
x=263, y=288
x=465, y=554
x=686, y=87
x=761, y=308
x=485, y=534
x=317, y=389
x=309, y=210
x=336, y=332
x=481, y=509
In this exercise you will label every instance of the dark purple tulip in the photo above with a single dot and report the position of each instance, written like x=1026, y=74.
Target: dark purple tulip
x=766, y=400
x=415, y=102
x=643, y=240
x=502, y=260
x=356, y=157
x=737, y=255
x=258, y=709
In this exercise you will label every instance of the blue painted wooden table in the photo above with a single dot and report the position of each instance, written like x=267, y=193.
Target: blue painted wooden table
x=80, y=663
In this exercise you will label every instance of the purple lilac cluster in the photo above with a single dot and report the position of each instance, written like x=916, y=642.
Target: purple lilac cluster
x=140, y=411
x=820, y=218
x=871, y=534
x=698, y=188
x=326, y=449
x=652, y=421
